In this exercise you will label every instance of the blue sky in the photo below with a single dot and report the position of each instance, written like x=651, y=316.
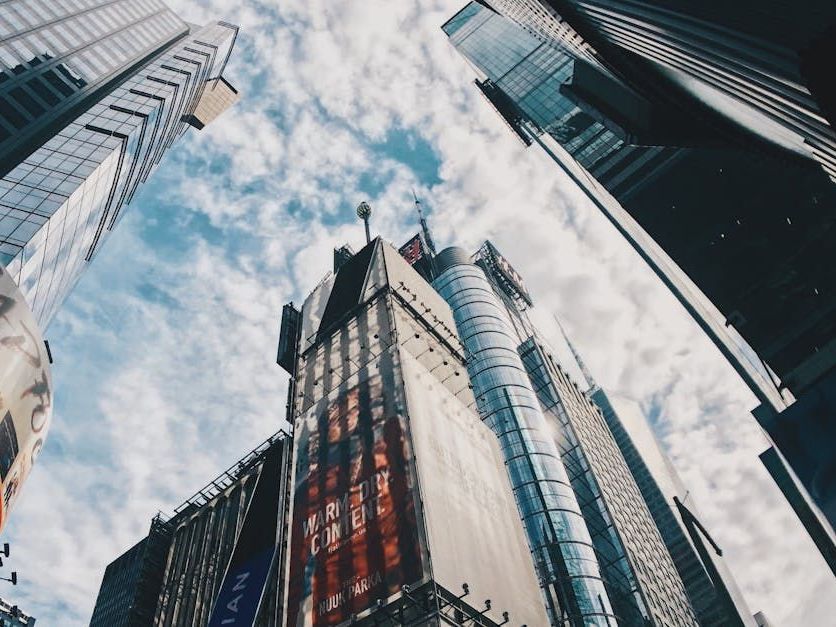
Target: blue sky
x=165, y=353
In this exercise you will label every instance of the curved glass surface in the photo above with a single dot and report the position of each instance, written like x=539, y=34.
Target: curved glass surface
x=559, y=540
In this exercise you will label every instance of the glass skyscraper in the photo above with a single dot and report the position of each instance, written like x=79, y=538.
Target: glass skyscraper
x=614, y=525
x=765, y=68
x=57, y=56
x=717, y=603
x=739, y=234
x=92, y=96
x=563, y=551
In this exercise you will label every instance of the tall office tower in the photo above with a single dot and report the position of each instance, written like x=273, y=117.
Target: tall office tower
x=92, y=94
x=765, y=69
x=12, y=616
x=716, y=600
x=63, y=198
x=532, y=405
x=558, y=536
x=402, y=513
x=223, y=543
x=740, y=237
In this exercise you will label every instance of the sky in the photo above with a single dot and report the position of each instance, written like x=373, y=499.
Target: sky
x=165, y=368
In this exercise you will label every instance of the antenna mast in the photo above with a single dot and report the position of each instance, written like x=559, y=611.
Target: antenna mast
x=578, y=359
x=424, y=228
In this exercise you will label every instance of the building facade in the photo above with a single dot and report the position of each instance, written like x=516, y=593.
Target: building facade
x=175, y=576
x=635, y=568
x=770, y=309
x=56, y=58
x=558, y=536
x=92, y=95
x=12, y=616
x=763, y=69
x=402, y=511
x=61, y=201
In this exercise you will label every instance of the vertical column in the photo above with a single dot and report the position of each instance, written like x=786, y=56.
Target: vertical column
x=557, y=534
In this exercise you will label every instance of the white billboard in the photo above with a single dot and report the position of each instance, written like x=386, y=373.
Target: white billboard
x=25, y=392
x=473, y=528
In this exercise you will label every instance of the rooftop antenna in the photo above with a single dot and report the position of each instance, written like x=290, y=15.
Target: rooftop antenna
x=578, y=359
x=424, y=228
x=364, y=212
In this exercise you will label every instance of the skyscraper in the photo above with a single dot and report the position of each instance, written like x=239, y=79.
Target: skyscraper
x=402, y=511
x=179, y=573
x=740, y=235
x=716, y=603
x=92, y=95
x=490, y=301
x=765, y=69
x=63, y=198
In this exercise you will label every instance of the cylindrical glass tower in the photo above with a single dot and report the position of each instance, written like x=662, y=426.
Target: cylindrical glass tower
x=557, y=535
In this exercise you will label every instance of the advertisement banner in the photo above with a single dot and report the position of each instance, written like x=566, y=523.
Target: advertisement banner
x=25, y=392
x=472, y=523
x=242, y=588
x=355, y=536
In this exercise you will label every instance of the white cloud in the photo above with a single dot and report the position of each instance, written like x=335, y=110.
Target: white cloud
x=166, y=352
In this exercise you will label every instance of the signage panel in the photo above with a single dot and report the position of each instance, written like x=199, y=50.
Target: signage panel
x=25, y=392
x=472, y=523
x=242, y=588
x=355, y=536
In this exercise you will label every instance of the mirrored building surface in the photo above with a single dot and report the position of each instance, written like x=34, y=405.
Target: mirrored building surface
x=125, y=76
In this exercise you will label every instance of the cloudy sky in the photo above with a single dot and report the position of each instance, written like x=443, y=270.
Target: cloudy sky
x=165, y=354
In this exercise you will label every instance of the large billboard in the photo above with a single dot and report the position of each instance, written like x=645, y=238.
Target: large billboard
x=25, y=392
x=472, y=523
x=355, y=537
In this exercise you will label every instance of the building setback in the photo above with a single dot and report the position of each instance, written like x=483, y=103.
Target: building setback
x=173, y=576
x=739, y=232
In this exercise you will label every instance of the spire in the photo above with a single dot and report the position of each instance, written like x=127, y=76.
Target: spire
x=425, y=230
x=584, y=370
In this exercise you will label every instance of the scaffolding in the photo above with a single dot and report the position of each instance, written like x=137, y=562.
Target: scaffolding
x=430, y=604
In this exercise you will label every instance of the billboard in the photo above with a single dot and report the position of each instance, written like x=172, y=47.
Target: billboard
x=354, y=532
x=504, y=273
x=25, y=392
x=239, y=596
x=472, y=523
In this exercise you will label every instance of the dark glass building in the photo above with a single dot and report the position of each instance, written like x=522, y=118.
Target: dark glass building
x=765, y=68
x=92, y=95
x=175, y=575
x=741, y=235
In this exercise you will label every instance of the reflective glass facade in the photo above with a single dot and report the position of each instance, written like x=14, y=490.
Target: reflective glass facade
x=658, y=482
x=54, y=55
x=740, y=236
x=61, y=201
x=638, y=569
x=753, y=64
x=531, y=73
x=562, y=548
